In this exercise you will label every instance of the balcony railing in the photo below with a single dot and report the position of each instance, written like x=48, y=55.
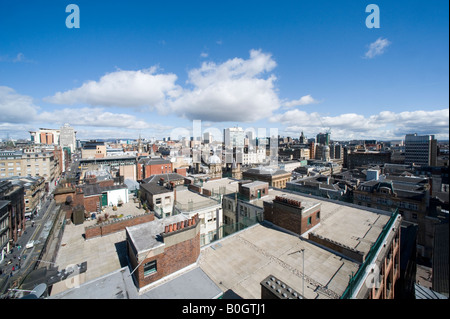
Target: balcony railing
x=360, y=274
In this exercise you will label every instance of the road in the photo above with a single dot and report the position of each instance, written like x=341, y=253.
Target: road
x=23, y=259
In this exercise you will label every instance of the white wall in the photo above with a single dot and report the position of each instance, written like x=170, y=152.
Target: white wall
x=115, y=195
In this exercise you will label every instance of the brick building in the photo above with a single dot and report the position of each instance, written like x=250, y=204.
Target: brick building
x=12, y=197
x=291, y=214
x=161, y=247
x=147, y=167
x=275, y=177
x=410, y=195
x=356, y=159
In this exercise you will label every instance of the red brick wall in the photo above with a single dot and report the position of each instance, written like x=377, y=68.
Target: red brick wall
x=112, y=227
x=150, y=170
x=314, y=221
x=90, y=203
x=171, y=260
x=105, y=183
x=181, y=171
x=61, y=198
x=156, y=169
x=289, y=217
x=195, y=188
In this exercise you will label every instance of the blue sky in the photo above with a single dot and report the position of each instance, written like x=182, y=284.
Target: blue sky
x=152, y=67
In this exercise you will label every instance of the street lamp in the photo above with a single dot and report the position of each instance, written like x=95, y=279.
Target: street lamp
x=303, y=270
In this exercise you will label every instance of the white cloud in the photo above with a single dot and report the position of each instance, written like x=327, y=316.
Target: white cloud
x=204, y=55
x=20, y=57
x=304, y=100
x=377, y=48
x=95, y=117
x=384, y=125
x=142, y=88
x=16, y=108
x=235, y=90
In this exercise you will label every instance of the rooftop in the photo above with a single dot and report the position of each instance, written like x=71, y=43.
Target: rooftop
x=241, y=261
x=188, y=200
x=154, y=161
x=95, y=189
x=226, y=184
x=237, y=263
x=167, y=178
x=189, y=284
x=146, y=236
x=266, y=171
x=154, y=188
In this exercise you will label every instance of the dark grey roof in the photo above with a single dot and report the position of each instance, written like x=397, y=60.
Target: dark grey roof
x=95, y=189
x=167, y=178
x=265, y=171
x=422, y=292
x=3, y=203
x=154, y=188
x=440, y=259
x=154, y=161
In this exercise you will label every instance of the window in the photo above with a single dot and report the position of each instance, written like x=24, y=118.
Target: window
x=309, y=220
x=202, y=239
x=318, y=215
x=158, y=201
x=150, y=268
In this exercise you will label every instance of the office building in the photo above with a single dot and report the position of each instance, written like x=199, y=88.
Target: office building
x=420, y=150
x=323, y=138
x=45, y=136
x=67, y=138
x=234, y=137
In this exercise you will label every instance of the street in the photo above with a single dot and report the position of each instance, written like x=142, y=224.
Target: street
x=21, y=260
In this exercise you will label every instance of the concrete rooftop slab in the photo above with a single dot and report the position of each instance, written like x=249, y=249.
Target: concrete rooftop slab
x=247, y=257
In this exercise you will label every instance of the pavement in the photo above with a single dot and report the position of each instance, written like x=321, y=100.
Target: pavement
x=423, y=276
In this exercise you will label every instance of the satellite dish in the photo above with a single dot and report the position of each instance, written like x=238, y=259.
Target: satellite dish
x=39, y=290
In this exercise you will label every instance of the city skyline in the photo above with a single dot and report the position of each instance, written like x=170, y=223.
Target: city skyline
x=147, y=69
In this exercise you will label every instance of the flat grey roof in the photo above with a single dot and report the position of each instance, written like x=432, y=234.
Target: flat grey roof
x=255, y=183
x=184, y=196
x=231, y=185
x=194, y=284
x=244, y=259
x=147, y=235
x=119, y=285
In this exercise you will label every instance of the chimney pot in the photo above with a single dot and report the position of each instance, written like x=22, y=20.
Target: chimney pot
x=175, y=226
x=170, y=228
x=166, y=229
